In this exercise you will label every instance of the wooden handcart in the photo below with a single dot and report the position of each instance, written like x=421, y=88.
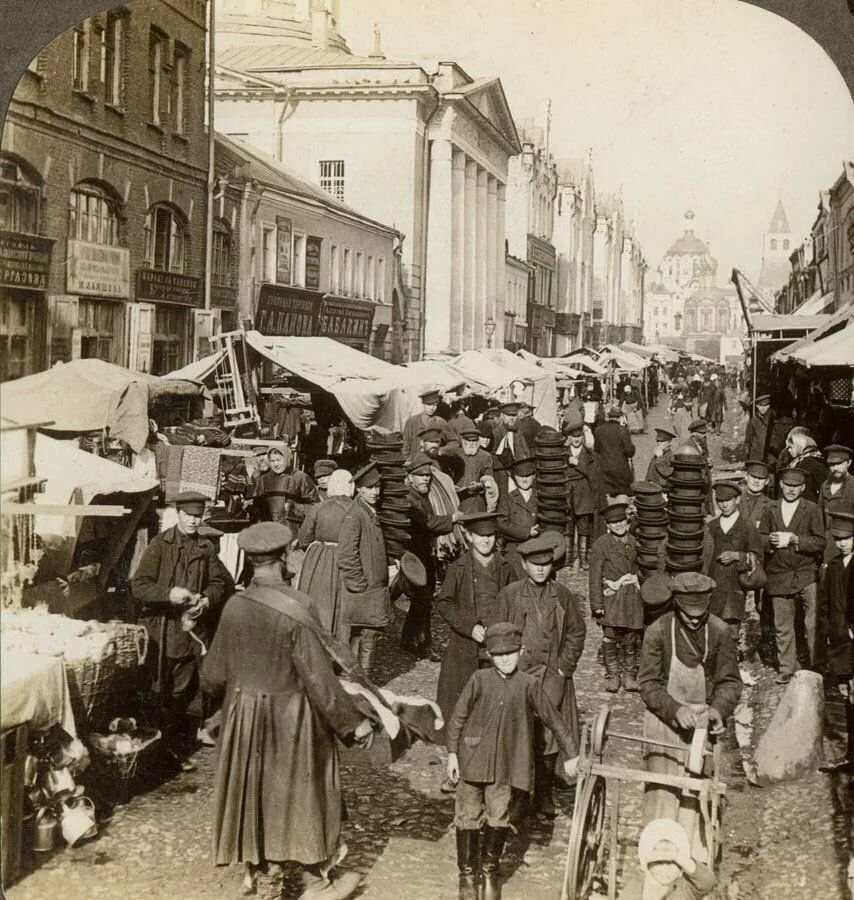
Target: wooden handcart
x=594, y=847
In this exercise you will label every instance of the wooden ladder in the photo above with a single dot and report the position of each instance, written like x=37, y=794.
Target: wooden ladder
x=229, y=387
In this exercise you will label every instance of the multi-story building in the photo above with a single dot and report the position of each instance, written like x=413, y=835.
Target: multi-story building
x=102, y=194
x=841, y=237
x=575, y=224
x=427, y=153
x=516, y=274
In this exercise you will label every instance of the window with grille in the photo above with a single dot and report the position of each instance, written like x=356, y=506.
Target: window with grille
x=332, y=177
x=221, y=274
x=165, y=243
x=19, y=199
x=80, y=57
x=170, y=332
x=93, y=216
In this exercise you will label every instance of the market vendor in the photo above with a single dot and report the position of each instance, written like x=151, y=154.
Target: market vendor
x=688, y=677
x=283, y=496
x=181, y=586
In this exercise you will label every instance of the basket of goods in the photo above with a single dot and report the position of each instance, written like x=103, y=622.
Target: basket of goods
x=124, y=755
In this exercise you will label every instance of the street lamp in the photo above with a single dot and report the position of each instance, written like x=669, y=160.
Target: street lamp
x=489, y=327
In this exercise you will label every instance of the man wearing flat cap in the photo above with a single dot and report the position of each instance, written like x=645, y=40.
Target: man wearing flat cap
x=688, y=678
x=510, y=443
x=277, y=790
x=474, y=474
x=756, y=435
x=793, y=536
x=839, y=484
x=181, y=586
x=323, y=469
x=425, y=419
x=661, y=465
x=517, y=511
x=614, y=449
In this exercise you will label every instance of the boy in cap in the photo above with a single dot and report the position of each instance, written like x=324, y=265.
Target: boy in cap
x=615, y=600
x=839, y=484
x=688, y=677
x=586, y=491
x=179, y=581
x=517, y=510
x=661, y=465
x=414, y=424
x=731, y=545
x=490, y=739
x=323, y=468
x=793, y=537
x=553, y=633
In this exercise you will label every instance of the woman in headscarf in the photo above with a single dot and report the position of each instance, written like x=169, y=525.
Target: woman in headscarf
x=318, y=536
x=804, y=454
x=283, y=496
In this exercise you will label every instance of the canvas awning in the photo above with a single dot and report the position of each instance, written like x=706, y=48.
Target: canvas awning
x=830, y=345
x=817, y=303
x=88, y=395
x=622, y=358
x=581, y=360
x=200, y=369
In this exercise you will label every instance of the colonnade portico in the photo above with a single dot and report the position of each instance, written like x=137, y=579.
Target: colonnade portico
x=465, y=251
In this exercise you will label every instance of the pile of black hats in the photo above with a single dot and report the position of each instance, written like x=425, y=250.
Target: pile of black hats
x=686, y=511
x=394, y=508
x=552, y=480
x=650, y=526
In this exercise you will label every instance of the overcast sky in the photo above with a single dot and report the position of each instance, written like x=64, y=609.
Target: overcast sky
x=712, y=105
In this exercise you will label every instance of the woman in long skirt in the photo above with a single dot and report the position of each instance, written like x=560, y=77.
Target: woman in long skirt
x=318, y=536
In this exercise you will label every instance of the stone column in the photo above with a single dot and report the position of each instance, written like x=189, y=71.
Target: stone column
x=458, y=241
x=498, y=339
x=470, y=255
x=493, y=273
x=483, y=264
x=439, y=250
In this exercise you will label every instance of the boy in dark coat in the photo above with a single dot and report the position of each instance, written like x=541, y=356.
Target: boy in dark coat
x=553, y=633
x=615, y=600
x=490, y=742
x=586, y=491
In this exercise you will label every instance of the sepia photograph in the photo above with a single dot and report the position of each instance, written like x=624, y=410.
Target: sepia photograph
x=426, y=443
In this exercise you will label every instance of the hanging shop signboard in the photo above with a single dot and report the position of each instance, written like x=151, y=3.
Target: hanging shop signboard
x=347, y=320
x=97, y=270
x=286, y=311
x=168, y=287
x=24, y=260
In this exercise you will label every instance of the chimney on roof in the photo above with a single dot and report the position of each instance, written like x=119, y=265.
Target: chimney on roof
x=320, y=25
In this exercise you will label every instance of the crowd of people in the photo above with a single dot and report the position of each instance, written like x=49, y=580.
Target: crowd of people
x=278, y=657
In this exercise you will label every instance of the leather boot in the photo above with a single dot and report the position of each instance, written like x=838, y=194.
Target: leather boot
x=366, y=653
x=612, y=666
x=544, y=775
x=571, y=556
x=493, y=847
x=630, y=663
x=468, y=862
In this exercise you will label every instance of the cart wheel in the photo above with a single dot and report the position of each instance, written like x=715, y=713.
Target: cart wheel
x=586, y=839
x=600, y=730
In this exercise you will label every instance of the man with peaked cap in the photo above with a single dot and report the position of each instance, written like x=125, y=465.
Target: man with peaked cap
x=277, y=792
x=731, y=546
x=474, y=472
x=553, y=633
x=615, y=601
x=614, y=449
x=323, y=468
x=836, y=612
x=528, y=426
x=485, y=434
x=688, y=678
x=510, y=443
x=426, y=418
x=416, y=636
x=467, y=602
x=756, y=436
x=839, y=484
x=363, y=568
x=517, y=510
x=661, y=465
x=793, y=536
x=586, y=491
x=179, y=582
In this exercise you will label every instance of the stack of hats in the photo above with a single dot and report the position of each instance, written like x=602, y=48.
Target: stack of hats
x=552, y=480
x=651, y=530
x=387, y=455
x=685, y=502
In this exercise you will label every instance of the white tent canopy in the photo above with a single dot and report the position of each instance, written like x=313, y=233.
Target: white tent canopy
x=622, y=358
x=579, y=359
x=831, y=344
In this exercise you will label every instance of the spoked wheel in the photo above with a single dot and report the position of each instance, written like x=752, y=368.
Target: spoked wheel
x=586, y=839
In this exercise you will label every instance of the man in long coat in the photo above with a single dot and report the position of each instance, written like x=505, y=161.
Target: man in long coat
x=277, y=794
x=425, y=419
x=179, y=580
x=614, y=448
x=839, y=484
x=586, y=492
x=757, y=442
x=553, y=633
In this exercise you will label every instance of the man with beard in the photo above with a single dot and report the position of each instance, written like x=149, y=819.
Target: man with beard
x=839, y=484
x=510, y=444
x=420, y=421
x=586, y=492
x=426, y=525
x=688, y=677
x=517, y=511
x=475, y=474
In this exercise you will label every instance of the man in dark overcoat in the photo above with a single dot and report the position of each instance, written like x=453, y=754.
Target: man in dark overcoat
x=661, y=465
x=509, y=443
x=553, y=633
x=517, y=511
x=277, y=791
x=614, y=450
x=472, y=469
x=181, y=586
x=839, y=484
x=586, y=492
x=756, y=440
x=424, y=419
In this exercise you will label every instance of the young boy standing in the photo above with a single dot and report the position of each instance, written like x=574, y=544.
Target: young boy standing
x=615, y=599
x=490, y=742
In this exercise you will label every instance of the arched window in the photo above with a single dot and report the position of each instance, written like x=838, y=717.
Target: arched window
x=20, y=197
x=93, y=215
x=165, y=239
x=785, y=245
x=773, y=244
x=221, y=274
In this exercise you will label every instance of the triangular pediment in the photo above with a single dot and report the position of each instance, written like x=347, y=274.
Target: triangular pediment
x=228, y=79
x=487, y=97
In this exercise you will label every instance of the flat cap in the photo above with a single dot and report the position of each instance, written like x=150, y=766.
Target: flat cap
x=367, y=476
x=698, y=425
x=431, y=434
x=420, y=464
x=510, y=409
x=756, y=468
x=524, y=467
x=537, y=549
x=664, y=434
x=837, y=453
x=726, y=490
x=503, y=637
x=264, y=537
x=191, y=501
x=793, y=476
x=492, y=412
x=472, y=433
x=692, y=591
x=842, y=524
x=323, y=467
x=616, y=512
x=413, y=569
x=655, y=590
x=480, y=523
x=431, y=395
x=763, y=398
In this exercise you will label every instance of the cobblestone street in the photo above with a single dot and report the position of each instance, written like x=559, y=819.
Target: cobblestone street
x=781, y=842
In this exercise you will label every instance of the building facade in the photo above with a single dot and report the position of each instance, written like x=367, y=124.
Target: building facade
x=516, y=275
x=841, y=238
x=426, y=153
x=103, y=184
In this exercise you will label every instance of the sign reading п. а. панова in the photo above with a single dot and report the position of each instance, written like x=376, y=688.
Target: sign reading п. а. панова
x=288, y=311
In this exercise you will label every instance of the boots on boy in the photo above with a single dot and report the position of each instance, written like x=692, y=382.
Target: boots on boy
x=630, y=662
x=468, y=863
x=544, y=776
x=612, y=665
x=493, y=847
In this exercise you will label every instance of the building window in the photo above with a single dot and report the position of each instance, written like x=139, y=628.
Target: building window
x=177, y=93
x=20, y=199
x=93, y=216
x=334, y=269
x=170, y=334
x=268, y=253
x=348, y=272
x=80, y=57
x=359, y=286
x=165, y=240
x=785, y=245
x=156, y=42
x=221, y=274
x=773, y=244
x=370, y=280
x=17, y=331
x=99, y=323
x=379, y=290
x=332, y=177
x=112, y=51
x=298, y=258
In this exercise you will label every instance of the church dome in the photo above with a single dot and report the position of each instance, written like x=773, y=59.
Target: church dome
x=688, y=243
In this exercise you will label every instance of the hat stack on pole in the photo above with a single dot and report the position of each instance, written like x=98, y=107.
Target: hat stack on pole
x=651, y=519
x=685, y=508
x=552, y=480
x=386, y=452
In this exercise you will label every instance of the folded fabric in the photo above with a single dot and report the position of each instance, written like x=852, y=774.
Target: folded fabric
x=200, y=470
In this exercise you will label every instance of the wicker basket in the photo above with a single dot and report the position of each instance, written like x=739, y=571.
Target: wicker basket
x=116, y=771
